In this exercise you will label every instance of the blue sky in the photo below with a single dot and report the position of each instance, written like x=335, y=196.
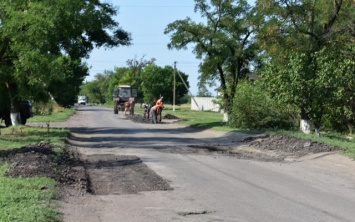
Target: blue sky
x=146, y=21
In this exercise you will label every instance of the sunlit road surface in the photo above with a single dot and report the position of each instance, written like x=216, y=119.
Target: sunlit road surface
x=207, y=187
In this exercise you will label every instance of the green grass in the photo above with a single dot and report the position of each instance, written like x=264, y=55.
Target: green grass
x=15, y=137
x=199, y=119
x=30, y=199
x=26, y=199
x=60, y=116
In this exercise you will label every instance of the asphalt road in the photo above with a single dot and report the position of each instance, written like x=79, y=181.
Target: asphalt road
x=207, y=187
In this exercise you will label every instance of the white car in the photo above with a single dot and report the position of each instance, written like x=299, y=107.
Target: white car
x=82, y=100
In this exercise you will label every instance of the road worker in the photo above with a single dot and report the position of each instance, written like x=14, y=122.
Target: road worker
x=160, y=102
x=153, y=115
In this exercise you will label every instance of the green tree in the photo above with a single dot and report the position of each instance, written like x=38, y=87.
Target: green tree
x=295, y=36
x=341, y=112
x=255, y=109
x=133, y=76
x=203, y=92
x=94, y=92
x=223, y=42
x=66, y=89
x=37, y=37
x=158, y=81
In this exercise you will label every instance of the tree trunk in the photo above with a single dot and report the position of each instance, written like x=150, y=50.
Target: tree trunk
x=350, y=127
x=15, y=115
x=225, y=117
x=15, y=118
x=305, y=126
x=305, y=123
x=317, y=127
x=317, y=131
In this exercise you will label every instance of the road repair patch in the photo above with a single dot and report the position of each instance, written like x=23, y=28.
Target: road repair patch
x=111, y=174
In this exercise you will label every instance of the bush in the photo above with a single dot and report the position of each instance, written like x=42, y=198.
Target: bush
x=45, y=108
x=254, y=109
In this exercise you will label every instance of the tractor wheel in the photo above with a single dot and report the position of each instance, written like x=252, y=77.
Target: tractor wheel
x=121, y=107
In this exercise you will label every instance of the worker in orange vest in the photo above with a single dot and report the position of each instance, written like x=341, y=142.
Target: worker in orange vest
x=155, y=109
x=160, y=102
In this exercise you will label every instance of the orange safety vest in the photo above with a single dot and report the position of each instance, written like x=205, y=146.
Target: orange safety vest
x=159, y=102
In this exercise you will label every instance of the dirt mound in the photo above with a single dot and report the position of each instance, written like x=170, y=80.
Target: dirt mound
x=169, y=116
x=278, y=148
x=140, y=118
x=292, y=145
x=76, y=175
x=39, y=160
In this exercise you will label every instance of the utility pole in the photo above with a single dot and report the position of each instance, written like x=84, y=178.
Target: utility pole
x=188, y=90
x=174, y=86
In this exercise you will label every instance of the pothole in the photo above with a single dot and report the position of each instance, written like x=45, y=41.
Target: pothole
x=110, y=174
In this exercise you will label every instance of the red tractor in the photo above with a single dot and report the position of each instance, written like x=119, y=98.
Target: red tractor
x=122, y=95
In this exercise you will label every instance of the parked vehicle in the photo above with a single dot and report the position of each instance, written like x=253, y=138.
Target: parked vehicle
x=121, y=95
x=25, y=112
x=82, y=100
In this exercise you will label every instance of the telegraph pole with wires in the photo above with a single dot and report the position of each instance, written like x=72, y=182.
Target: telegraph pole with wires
x=192, y=98
x=174, y=86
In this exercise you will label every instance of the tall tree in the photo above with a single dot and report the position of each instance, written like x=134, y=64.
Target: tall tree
x=133, y=76
x=36, y=37
x=295, y=36
x=158, y=81
x=203, y=92
x=66, y=89
x=223, y=42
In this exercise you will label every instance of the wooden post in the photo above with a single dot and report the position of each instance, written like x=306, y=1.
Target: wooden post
x=174, y=86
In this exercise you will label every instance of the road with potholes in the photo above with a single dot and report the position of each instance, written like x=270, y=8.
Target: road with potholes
x=147, y=172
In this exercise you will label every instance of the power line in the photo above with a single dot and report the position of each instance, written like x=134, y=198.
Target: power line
x=156, y=6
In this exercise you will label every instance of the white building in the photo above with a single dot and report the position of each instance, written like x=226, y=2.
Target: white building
x=204, y=104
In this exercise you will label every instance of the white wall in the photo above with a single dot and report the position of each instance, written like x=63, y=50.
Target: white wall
x=205, y=104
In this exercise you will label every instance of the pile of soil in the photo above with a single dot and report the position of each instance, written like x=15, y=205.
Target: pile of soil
x=294, y=146
x=140, y=118
x=277, y=148
x=40, y=160
x=169, y=116
x=77, y=175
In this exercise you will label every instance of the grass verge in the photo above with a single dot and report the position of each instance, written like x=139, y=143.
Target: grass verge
x=30, y=199
x=60, y=116
x=26, y=199
x=18, y=136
